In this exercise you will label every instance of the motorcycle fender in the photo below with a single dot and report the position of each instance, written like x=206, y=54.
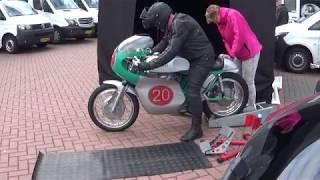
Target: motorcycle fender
x=231, y=66
x=120, y=86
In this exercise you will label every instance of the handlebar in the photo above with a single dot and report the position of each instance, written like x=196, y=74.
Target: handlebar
x=133, y=63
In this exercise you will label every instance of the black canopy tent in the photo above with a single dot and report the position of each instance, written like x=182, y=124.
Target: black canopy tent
x=119, y=19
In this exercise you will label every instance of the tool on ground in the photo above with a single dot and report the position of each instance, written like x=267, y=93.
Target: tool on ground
x=220, y=144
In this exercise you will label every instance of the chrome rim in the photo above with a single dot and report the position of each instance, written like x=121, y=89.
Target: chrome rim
x=297, y=61
x=10, y=45
x=233, y=98
x=105, y=118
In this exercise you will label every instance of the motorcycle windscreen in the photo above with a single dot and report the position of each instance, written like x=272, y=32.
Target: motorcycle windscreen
x=135, y=42
x=284, y=135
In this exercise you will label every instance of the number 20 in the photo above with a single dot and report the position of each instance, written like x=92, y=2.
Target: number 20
x=162, y=95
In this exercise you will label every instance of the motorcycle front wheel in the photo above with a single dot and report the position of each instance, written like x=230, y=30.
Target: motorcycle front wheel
x=123, y=115
x=234, y=97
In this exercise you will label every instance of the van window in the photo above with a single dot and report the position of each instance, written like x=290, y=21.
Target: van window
x=80, y=4
x=46, y=7
x=64, y=4
x=92, y=3
x=37, y=4
x=315, y=27
x=18, y=9
x=2, y=17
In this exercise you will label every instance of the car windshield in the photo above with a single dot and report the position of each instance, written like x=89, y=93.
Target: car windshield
x=92, y=3
x=64, y=4
x=18, y=9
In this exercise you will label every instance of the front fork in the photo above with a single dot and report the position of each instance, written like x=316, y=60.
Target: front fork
x=120, y=93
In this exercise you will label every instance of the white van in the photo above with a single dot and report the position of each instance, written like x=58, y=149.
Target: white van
x=69, y=21
x=21, y=25
x=90, y=6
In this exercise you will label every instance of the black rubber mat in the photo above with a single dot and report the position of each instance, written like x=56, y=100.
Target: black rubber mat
x=120, y=163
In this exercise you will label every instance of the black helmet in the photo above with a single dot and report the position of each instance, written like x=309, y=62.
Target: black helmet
x=156, y=16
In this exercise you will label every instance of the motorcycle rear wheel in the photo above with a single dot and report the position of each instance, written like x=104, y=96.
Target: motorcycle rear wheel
x=101, y=113
x=222, y=108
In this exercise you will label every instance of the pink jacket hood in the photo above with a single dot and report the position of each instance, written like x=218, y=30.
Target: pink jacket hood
x=238, y=38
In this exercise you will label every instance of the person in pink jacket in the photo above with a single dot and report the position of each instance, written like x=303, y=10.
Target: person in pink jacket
x=240, y=42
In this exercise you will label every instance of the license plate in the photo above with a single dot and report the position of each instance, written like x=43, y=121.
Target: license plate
x=88, y=32
x=46, y=39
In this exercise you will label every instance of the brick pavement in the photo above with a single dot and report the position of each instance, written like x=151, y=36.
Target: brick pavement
x=296, y=86
x=43, y=107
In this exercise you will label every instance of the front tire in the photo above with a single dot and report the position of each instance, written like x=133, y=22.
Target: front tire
x=107, y=120
x=10, y=44
x=297, y=60
x=57, y=35
x=236, y=106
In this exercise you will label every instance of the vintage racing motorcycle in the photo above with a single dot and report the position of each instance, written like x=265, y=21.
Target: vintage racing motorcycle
x=114, y=106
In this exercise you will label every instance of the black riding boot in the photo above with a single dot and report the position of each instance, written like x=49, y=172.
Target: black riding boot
x=194, y=132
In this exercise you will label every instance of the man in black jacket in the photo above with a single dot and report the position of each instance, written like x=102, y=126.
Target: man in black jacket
x=282, y=15
x=183, y=37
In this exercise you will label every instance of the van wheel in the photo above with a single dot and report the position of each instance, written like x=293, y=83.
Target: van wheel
x=57, y=36
x=10, y=44
x=298, y=60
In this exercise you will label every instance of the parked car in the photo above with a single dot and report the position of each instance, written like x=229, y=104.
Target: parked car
x=21, y=25
x=90, y=6
x=285, y=147
x=298, y=45
x=69, y=21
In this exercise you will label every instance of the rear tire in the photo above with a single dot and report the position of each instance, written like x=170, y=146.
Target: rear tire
x=225, y=78
x=104, y=126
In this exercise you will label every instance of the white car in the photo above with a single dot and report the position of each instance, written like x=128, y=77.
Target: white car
x=21, y=25
x=298, y=44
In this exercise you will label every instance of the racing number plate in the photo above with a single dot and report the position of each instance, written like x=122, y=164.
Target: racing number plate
x=161, y=95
